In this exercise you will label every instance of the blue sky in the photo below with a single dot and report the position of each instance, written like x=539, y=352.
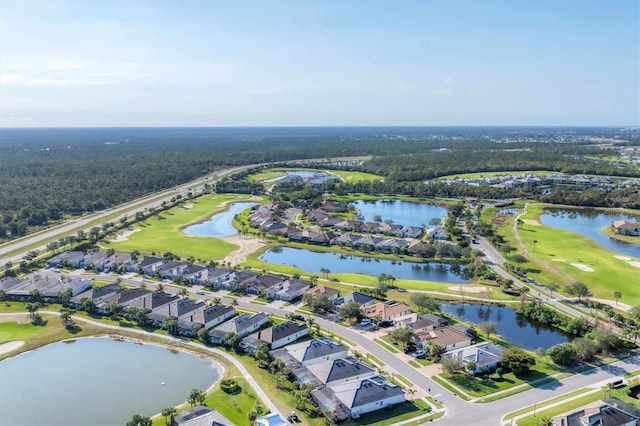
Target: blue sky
x=305, y=63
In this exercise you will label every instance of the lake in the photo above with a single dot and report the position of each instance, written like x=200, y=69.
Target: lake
x=220, y=224
x=514, y=328
x=400, y=212
x=312, y=261
x=97, y=381
x=590, y=223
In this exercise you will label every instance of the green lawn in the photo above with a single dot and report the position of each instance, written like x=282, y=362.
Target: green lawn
x=491, y=174
x=163, y=233
x=558, y=249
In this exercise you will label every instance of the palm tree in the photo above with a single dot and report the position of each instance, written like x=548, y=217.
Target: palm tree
x=168, y=414
x=617, y=295
x=411, y=392
x=183, y=292
x=138, y=420
x=170, y=324
x=159, y=288
x=33, y=309
x=195, y=397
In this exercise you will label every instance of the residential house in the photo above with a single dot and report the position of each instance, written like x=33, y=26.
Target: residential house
x=411, y=231
x=367, y=243
x=120, y=263
x=178, y=309
x=371, y=394
x=260, y=284
x=76, y=286
x=95, y=260
x=7, y=283
x=124, y=298
x=310, y=352
x=216, y=276
x=418, y=323
x=359, y=298
x=153, y=301
x=386, y=311
x=341, y=370
x=318, y=290
x=241, y=325
x=210, y=317
x=610, y=412
x=448, y=338
x=170, y=269
x=234, y=280
x=149, y=264
x=200, y=415
x=96, y=294
x=288, y=290
x=346, y=240
x=624, y=227
x=393, y=245
x=438, y=319
x=486, y=356
x=194, y=274
x=73, y=258
x=437, y=233
x=277, y=336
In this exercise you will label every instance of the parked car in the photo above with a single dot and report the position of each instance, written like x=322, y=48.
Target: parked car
x=419, y=353
x=365, y=322
x=298, y=317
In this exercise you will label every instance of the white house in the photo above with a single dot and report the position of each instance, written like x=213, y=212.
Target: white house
x=485, y=355
x=279, y=335
x=368, y=395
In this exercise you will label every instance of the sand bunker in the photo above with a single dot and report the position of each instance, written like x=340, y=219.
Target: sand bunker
x=625, y=258
x=124, y=236
x=468, y=289
x=583, y=267
x=533, y=222
x=10, y=346
x=634, y=263
x=187, y=206
x=247, y=246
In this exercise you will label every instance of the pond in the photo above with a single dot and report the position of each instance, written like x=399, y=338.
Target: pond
x=590, y=223
x=514, y=328
x=312, y=261
x=97, y=381
x=400, y=212
x=220, y=224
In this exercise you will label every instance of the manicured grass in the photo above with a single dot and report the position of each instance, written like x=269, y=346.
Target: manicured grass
x=402, y=412
x=163, y=233
x=630, y=239
x=386, y=345
x=445, y=384
x=559, y=248
x=547, y=402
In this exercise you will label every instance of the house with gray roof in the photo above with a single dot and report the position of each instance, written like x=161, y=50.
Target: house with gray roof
x=74, y=258
x=258, y=284
x=7, y=283
x=200, y=415
x=242, y=325
x=153, y=301
x=195, y=274
x=208, y=318
x=365, y=396
x=288, y=290
x=485, y=355
x=125, y=298
x=76, y=285
x=215, y=276
x=149, y=264
x=341, y=370
x=97, y=294
x=359, y=298
x=310, y=352
x=277, y=336
x=95, y=260
x=179, y=309
x=120, y=263
x=170, y=269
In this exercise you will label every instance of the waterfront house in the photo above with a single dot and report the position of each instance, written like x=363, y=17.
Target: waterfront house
x=277, y=336
x=241, y=325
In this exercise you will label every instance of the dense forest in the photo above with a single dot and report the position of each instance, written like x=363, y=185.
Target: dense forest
x=46, y=174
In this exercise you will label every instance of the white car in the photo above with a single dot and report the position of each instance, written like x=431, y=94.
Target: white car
x=365, y=322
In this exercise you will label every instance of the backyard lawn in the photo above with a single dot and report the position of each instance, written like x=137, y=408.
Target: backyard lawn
x=163, y=233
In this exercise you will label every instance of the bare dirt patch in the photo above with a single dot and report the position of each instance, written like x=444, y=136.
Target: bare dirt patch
x=466, y=289
x=18, y=318
x=533, y=222
x=10, y=346
x=124, y=235
x=583, y=267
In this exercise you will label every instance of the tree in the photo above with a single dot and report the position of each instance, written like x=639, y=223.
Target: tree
x=402, y=334
x=544, y=421
x=563, y=354
x=552, y=286
x=451, y=364
x=33, y=309
x=88, y=305
x=578, y=289
x=534, y=244
x=350, y=311
x=617, y=295
x=424, y=302
x=168, y=414
x=65, y=296
x=171, y=325
x=138, y=420
x=195, y=397
x=518, y=361
x=3, y=296
x=488, y=327
x=585, y=348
